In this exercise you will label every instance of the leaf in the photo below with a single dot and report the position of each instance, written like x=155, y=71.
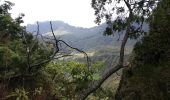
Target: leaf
x=96, y=76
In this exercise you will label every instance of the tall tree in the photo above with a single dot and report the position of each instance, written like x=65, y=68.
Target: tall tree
x=154, y=47
x=25, y=61
x=152, y=55
x=129, y=16
x=9, y=28
x=14, y=42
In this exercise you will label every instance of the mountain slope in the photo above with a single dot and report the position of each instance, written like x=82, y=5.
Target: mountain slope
x=82, y=38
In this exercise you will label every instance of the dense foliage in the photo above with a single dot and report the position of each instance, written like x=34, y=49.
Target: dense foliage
x=27, y=70
x=15, y=71
x=148, y=76
x=154, y=47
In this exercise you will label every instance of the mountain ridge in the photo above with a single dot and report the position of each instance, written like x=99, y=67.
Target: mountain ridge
x=84, y=38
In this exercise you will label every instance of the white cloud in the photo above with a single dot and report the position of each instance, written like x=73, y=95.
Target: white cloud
x=74, y=12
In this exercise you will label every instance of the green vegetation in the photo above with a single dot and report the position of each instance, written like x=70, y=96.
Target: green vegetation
x=148, y=76
x=147, y=82
x=21, y=75
x=30, y=71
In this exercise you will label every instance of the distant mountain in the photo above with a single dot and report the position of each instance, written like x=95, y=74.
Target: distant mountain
x=44, y=27
x=84, y=38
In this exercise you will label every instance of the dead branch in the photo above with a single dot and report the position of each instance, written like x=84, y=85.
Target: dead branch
x=81, y=51
x=57, y=42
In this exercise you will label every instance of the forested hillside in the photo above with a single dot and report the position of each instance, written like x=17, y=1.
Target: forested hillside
x=126, y=58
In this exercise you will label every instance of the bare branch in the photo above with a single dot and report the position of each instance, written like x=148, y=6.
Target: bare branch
x=39, y=65
x=45, y=61
x=81, y=51
x=56, y=40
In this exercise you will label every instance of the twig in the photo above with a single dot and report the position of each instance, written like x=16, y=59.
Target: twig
x=56, y=40
x=81, y=51
x=38, y=65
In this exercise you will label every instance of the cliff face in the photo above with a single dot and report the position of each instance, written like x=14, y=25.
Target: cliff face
x=148, y=77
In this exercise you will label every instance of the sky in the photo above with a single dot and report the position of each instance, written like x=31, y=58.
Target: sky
x=74, y=12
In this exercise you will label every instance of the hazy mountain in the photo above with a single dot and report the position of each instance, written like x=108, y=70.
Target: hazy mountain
x=83, y=38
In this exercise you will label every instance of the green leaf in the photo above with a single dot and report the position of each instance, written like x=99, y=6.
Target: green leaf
x=96, y=76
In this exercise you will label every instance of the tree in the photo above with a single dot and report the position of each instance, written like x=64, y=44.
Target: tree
x=10, y=28
x=25, y=61
x=151, y=55
x=154, y=47
x=15, y=58
x=129, y=14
